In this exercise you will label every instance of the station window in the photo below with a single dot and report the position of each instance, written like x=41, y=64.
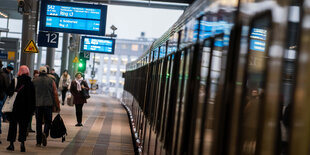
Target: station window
x=134, y=47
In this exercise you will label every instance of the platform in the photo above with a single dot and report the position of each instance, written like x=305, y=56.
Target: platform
x=106, y=130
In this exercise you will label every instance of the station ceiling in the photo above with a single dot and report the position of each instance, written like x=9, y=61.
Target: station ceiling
x=9, y=7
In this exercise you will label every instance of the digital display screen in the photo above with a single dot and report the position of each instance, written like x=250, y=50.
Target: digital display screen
x=209, y=29
x=98, y=45
x=73, y=17
x=258, y=39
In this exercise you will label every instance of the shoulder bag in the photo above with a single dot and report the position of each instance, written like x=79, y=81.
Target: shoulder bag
x=9, y=102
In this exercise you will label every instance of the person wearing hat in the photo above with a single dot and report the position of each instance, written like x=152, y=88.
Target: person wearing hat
x=45, y=101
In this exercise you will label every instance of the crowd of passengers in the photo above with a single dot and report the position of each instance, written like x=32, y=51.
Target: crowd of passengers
x=37, y=95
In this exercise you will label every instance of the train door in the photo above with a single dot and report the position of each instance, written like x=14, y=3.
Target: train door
x=258, y=81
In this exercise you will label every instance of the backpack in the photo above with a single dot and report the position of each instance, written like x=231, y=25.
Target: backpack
x=58, y=128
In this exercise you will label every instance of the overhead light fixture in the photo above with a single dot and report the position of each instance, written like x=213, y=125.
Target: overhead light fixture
x=4, y=15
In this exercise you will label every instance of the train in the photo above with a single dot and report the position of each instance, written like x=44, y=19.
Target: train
x=228, y=78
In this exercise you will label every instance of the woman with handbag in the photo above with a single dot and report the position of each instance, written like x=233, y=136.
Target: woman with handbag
x=79, y=89
x=23, y=107
x=64, y=84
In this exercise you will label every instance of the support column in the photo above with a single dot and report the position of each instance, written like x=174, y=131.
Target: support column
x=50, y=57
x=39, y=58
x=29, y=32
x=64, y=54
x=73, y=52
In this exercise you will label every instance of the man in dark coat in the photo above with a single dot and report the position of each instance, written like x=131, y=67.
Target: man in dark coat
x=44, y=104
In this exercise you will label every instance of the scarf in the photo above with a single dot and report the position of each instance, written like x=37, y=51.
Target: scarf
x=78, y=82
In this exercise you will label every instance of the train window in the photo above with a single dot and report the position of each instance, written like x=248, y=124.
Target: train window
x=162, y=50
x=254, y=82
x=173, y=43
x=187, y=57
x=204, y=65
x=161, y=94
x=166, y=96
x=212, y=85
x=178, y=106
x=187, y=34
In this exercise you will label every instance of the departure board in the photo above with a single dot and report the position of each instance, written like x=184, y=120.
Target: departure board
x=97, y=45
x=258, y=39
x=73, y=17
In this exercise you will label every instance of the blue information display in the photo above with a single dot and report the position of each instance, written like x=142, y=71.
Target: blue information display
x=73, y=17
x=98, y=45
x=258, y=39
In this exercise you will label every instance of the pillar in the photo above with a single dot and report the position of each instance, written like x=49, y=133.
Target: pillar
x=50, y=57
x=29, y=32
x=64, y=53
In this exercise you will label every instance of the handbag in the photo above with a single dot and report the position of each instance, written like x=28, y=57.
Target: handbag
x=70, y=100
x=85, y=93
x=9, y=102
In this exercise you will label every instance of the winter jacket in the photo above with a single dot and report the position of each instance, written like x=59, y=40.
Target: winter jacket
x=24, y=104
x=78, y=98
x=44, y=90
x=61, y=84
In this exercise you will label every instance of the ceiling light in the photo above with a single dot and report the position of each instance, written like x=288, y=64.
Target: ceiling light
x=4, y=15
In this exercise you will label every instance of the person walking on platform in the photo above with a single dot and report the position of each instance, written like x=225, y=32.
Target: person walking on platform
x=56, y=76
x=45, y=100
x=8, y=71
x=24, y=106
x=4, y=84
x=64, y=85
x=78, y=99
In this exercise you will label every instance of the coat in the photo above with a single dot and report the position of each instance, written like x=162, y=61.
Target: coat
x=61, y=84
x=24, y=104
x=44, y=91
x=78, y=98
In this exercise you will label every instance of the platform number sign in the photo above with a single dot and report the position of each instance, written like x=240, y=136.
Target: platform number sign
x=48, y=39
x=85, y=55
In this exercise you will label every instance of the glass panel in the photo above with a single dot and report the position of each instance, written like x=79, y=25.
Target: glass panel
x=203, y=75
x=178, y=101
x=212, y=87
x=254, y=81
x=186, y=61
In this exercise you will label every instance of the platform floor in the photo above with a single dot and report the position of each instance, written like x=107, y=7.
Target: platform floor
x=106, y=131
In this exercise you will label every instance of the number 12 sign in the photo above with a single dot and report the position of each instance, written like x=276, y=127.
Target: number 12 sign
x=48, y=39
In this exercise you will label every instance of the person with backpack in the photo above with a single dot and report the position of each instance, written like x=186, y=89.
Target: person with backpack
x=23, y=108
x=79, y=98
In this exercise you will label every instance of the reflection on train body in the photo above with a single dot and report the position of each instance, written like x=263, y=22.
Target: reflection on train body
x=229, y=77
